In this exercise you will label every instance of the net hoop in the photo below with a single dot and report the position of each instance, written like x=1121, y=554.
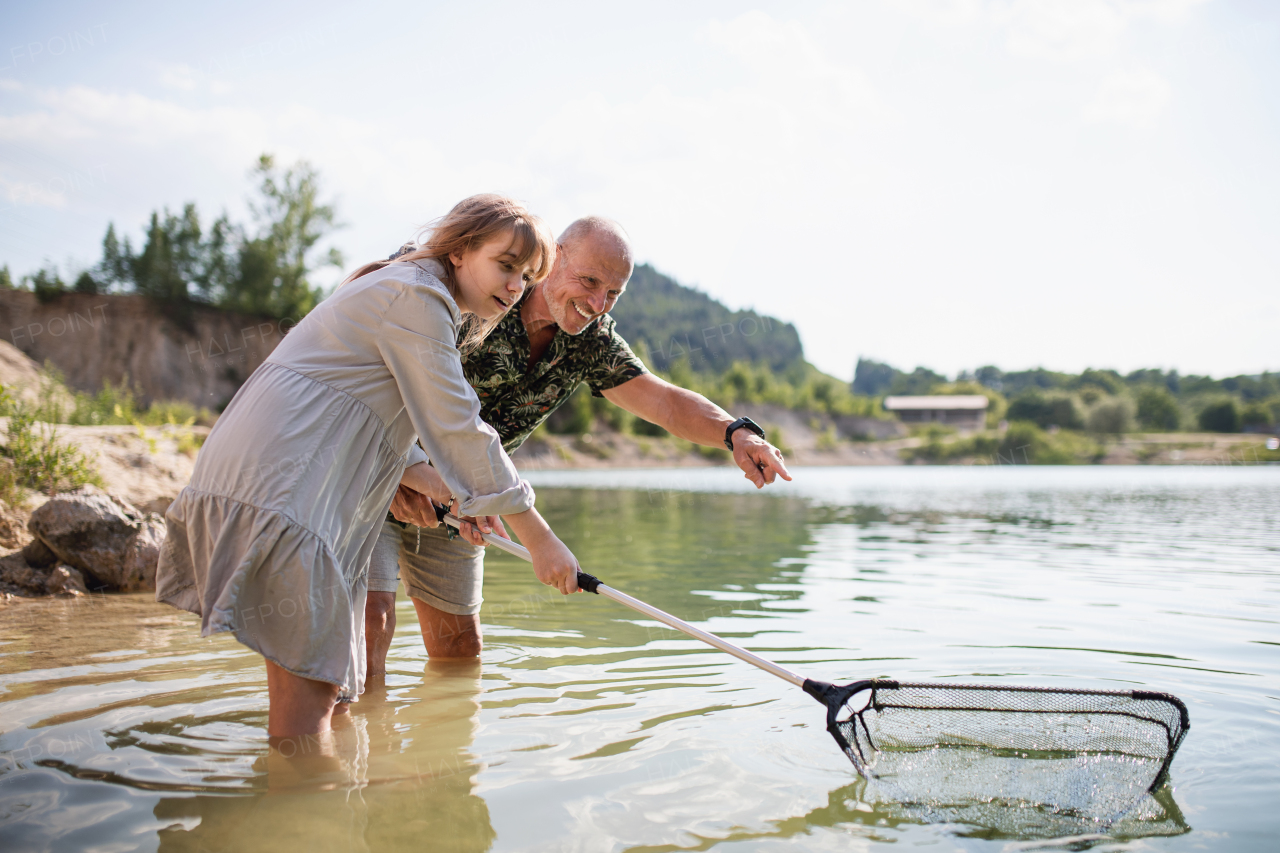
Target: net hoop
x=1163, y=710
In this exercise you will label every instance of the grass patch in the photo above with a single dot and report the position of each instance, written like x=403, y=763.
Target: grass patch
x=113, y=405
x=37, y=458
x=1023, y=443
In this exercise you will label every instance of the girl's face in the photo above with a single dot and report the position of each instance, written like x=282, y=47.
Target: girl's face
x=488, y=277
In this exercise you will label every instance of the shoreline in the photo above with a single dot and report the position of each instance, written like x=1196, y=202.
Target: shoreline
x=603, y=450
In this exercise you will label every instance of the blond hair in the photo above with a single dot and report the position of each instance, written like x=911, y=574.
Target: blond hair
x=469, y=225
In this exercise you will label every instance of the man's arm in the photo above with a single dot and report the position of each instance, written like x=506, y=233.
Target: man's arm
x=695, y=418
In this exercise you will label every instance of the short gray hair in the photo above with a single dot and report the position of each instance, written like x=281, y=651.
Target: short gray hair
x=598, y=228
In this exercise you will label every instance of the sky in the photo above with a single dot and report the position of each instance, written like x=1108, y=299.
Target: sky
x=947, y=183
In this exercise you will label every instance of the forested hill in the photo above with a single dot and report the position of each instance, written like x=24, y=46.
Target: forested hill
x=663, y=321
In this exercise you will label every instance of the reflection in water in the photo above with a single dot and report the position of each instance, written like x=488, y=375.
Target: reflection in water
x=590, y=728
x=854, y=810
x=395, y=773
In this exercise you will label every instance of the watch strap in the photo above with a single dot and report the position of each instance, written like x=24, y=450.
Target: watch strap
x=741, y=423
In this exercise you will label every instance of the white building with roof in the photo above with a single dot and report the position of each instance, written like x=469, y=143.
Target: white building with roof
x=962, y=411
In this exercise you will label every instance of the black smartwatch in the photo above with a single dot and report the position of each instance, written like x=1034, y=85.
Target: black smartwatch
x=737, y=425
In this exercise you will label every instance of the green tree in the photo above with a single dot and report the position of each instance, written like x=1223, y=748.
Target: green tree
x=739, y=384
x=574, y=417
x=990, y=376
x=116, y=267
x=6, y=279
x=178, y=262
x=1013, y=384
x=1108, y=380
x=1046, y=409
x=1157, y=408
x=46, y=283
x=1112, y=416
x=1222, y=415
x=1257, y=417
x=871, y=378
x=85, y=283
x=672, y=321
x=267, y=272
x=919, y=381
x=164, y=267
x=273, y=275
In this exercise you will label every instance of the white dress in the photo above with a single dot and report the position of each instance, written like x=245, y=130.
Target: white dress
x=272, y=537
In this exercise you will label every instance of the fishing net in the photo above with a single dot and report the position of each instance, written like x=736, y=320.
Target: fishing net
x=993, y=755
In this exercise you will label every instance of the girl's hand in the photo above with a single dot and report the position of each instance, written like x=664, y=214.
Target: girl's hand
x=554, y=564
x=472, y=528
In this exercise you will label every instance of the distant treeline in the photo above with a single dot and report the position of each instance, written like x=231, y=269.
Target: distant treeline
x=1099, y=401
x=259, y=268
x=667, y=322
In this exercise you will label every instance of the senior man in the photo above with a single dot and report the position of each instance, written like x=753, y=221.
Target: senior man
x=560, y=337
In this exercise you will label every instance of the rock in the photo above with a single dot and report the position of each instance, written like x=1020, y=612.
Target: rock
x=38, y=555
x=157, y=505
x=19, y=373
x=102, y=536
x=18, y=577
x=13, y=526
x=65, y=580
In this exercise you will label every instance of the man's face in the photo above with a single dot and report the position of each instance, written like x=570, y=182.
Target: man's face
x=586, y=281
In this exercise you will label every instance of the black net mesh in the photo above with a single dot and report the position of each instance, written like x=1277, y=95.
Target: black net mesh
x=979, y=754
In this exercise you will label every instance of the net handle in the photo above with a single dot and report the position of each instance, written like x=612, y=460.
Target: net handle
x=590, y=583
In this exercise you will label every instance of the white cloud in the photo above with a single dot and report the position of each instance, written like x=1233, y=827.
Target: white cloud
x=942, y=12
x=33, y=193
x=783, y=141
x=789, y=64
x=181, y=77
x=786, y=112
x=1168, y=11
x=1135, y=98
x=76, y=114
x=1061, y=29
x=1075, y=29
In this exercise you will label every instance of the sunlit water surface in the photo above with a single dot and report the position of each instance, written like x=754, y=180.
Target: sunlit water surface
x=588, y=728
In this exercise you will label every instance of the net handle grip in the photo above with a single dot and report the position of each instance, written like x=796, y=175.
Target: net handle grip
x=590, y=583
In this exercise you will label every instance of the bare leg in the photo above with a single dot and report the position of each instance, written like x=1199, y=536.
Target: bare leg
x=447, y=635
x=302, y=750
x=299, y=706
x=379, y=628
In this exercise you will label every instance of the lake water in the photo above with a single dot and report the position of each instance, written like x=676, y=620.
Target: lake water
x=588, y=728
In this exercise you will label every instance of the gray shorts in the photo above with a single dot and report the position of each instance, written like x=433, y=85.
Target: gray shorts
x=447, y=574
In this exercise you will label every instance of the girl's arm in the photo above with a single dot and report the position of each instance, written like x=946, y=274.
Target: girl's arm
x=553, y=563
x=416, y=338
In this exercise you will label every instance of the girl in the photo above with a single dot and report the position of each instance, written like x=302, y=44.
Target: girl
x=272, y=537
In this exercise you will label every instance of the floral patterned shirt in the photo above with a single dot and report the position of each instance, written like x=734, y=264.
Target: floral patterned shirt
x=514, y=399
